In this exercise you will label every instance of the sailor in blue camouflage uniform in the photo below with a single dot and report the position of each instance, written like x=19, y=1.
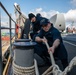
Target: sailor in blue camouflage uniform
x=35, y=22
x=54, y=39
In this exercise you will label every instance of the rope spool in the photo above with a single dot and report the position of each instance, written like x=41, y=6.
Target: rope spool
x=18, y=70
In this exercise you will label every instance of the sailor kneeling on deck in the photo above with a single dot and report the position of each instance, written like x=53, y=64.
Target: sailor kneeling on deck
x=54, y=40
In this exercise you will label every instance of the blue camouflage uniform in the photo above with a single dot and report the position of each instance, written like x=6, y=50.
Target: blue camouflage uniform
x=36, y=26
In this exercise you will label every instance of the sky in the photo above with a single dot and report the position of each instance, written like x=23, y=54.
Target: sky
x=47, y=8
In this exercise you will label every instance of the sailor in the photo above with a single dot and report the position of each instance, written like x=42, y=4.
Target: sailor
x=35, y=20
x=54, y=40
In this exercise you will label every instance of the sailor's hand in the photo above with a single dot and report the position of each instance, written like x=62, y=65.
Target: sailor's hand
x=44, y=40
x=52, y=49
x=38, y=31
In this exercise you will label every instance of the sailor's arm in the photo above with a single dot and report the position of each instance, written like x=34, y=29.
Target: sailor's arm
x=56, y=43
x=56, y=39
x=38, y=39
x=54, y=46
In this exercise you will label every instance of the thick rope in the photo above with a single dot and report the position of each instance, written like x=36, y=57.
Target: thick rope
x=70, y=66
x=54, y=69
x=18, y=70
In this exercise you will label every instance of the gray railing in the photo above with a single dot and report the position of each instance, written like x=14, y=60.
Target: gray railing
x=10, y=30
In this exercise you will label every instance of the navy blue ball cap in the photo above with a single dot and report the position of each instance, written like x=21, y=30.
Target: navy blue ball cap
x=31, y=15
x=44, y=22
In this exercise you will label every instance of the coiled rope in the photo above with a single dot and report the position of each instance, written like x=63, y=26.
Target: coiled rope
x=18, y=70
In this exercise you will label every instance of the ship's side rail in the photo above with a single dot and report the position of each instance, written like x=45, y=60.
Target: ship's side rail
x=3, y=48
